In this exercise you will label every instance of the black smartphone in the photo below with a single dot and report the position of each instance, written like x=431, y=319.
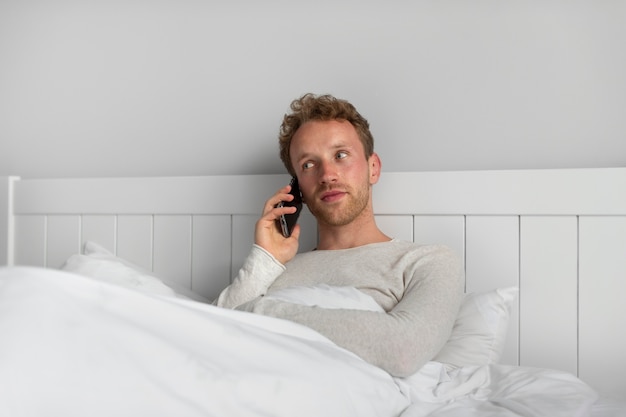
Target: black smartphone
x=286, y=222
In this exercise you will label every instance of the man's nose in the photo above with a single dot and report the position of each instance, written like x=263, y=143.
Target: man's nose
x=327, y=172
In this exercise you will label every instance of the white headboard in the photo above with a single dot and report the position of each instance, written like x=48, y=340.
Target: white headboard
x=560, y=235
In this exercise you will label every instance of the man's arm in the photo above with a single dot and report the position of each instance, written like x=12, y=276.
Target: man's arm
x=258, y=272
x=271, y=250
x=400, y=341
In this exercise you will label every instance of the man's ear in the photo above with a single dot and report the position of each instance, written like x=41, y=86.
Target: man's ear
x=375, y=166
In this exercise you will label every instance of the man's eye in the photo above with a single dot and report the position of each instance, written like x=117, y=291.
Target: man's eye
x=307, y=165
x=341, y=155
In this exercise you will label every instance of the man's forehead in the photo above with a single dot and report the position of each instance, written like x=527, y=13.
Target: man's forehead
x=329, y=134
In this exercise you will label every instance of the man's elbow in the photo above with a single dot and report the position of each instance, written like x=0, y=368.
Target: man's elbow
x=403, y=364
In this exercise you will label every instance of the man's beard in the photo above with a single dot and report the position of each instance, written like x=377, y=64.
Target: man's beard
x=355, y=201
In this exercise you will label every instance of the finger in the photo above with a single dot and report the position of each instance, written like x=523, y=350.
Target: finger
x=276, y=212
x=268, y=220
x=281, y=195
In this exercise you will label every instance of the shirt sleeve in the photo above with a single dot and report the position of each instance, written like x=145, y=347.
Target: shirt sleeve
x=258, y=272
x=402, y=340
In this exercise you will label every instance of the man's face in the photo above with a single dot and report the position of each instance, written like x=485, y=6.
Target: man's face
x=335, y=176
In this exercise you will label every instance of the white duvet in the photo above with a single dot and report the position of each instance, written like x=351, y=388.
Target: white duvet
x=73, y=346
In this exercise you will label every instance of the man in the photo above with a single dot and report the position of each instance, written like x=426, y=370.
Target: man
x=327, y=144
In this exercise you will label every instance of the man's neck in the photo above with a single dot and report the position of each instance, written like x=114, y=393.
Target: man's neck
x=350, y=236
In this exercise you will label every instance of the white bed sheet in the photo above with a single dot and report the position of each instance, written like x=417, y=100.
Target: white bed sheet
x=498, y=390
x=74, y=346
x=609, y=407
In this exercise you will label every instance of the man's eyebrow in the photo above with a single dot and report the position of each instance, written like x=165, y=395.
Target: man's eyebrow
x=338, y=145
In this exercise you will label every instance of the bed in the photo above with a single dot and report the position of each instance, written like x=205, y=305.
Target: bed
x=104, y=299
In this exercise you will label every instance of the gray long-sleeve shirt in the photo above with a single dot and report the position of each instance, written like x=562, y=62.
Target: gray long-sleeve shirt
x=420, y=287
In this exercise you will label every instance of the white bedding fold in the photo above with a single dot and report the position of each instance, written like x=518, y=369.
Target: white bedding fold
x=72, y=346
x=497, y=390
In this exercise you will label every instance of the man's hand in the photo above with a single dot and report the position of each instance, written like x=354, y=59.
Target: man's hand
x=267, y=235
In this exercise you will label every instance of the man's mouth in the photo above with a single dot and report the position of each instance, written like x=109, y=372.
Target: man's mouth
x=332, y=196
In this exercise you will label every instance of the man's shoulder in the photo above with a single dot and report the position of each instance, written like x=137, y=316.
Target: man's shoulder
x=405, y=245
x=432, y=250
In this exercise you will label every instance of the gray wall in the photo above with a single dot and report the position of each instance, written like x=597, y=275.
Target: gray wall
x=184, y=87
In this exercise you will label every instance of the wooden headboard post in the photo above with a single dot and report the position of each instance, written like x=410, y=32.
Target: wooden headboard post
x=6, y=220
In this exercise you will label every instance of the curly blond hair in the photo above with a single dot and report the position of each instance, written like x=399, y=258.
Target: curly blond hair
x=324, y=107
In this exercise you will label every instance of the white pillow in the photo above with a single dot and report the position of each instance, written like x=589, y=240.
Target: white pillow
x=100, y=264
x=326, y=296
x=480, y=328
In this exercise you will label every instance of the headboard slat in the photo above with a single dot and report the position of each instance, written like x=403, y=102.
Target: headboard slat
x=492, y=261
x=549, y=276
x=602, y=310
